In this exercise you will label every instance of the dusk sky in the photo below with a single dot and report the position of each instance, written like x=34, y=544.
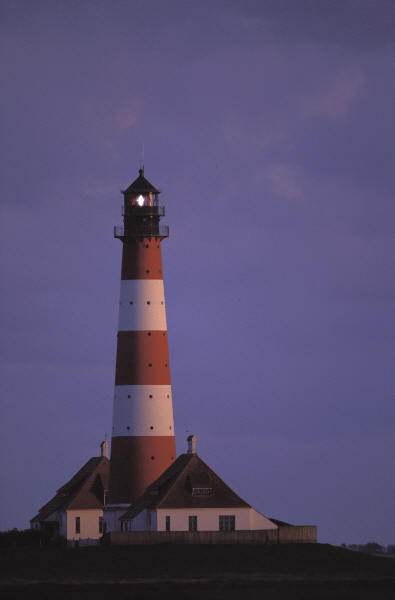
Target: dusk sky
x=269, y=126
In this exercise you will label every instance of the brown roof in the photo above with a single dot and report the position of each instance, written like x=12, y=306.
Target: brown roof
x=141, y=186
x=173, y=489
x=84, y=491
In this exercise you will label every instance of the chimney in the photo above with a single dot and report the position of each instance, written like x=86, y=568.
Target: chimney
x=104, y=449
x=191, y=444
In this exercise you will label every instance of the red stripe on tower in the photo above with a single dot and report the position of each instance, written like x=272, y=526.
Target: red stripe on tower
x=143, y=443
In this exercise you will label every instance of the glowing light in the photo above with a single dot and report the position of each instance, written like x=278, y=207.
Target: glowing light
x=140, y=200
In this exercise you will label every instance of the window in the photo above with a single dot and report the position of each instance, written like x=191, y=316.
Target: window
x=167, y=523
x=100, y=524
x=78, y=524
x=227, y=523
x=60, y=520
x=201, y=491
x=192, y=523
x=105, y=499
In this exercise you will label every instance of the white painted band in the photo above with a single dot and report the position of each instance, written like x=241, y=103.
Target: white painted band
x=144, y=409
x=142, y=305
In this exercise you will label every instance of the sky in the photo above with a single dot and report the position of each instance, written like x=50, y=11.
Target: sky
x=270, y=128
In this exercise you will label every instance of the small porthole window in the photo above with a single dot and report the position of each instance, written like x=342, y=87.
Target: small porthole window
x=170, y=427
x=128, y=395
x=146, y=245
x=160, y=271
x=152, y=457
x=162, y=303
x=128, y=427
x=148, y=302
x=131, y=302
x=150, y=365
x=149, y=333
x=147, y=271
x=168, y=396
x=151, y=427
x=166, y=365
x=151, y=396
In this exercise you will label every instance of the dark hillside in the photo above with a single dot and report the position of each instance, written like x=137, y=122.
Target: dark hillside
x=302, y=570
x=171, y=561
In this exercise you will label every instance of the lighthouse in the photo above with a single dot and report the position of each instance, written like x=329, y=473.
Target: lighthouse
x=143, y=442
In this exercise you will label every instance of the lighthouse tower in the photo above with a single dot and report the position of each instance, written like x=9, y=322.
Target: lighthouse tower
x=143, y=443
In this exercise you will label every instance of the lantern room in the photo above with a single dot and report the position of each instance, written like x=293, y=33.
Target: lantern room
x=141, y=211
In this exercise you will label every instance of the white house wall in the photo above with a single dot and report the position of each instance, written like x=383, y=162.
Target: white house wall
x=141, y=522
x=208, y=520
x=258, y=521
x=89, y=524
x=154, y=521
x=112, y=514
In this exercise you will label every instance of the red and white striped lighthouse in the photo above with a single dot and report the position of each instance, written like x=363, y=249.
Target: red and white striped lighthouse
x=143, y=443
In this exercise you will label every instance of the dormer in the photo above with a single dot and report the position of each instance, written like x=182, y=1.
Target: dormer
x=201, y=491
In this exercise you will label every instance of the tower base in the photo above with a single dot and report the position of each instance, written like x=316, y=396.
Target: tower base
x=152, y=454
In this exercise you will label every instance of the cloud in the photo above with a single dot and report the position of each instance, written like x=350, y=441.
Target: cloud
x=107, y=123
x=242, y=134
x=96, y=188
x=337, y=96
x=283, y=180
x=125, y=118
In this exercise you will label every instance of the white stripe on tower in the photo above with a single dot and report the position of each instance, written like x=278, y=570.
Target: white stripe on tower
x=142, y=410
x=142, y=305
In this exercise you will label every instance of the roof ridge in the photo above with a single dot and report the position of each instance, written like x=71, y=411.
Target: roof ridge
x=216, y=481
x=78, y=484
x=225, y=484
x=82, y=473
x=146, y=501
x=177, y=477
x=90, y=478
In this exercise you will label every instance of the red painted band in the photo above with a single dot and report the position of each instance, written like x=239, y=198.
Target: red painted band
x=141, y=259
x=135, y=463
x=142, y=358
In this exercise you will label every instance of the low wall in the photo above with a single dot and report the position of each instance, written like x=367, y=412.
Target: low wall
x=80, y=543
x=282, y=535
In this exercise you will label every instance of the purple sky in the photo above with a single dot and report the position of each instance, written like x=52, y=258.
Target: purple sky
x=270, y=128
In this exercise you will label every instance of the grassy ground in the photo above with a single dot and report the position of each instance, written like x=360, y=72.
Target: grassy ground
x=294, y=571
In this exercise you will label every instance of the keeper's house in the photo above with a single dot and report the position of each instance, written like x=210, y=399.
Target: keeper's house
x=189, y=496
x=76, y=511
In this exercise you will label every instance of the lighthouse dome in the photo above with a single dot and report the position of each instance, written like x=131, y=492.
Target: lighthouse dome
x=141, y=186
